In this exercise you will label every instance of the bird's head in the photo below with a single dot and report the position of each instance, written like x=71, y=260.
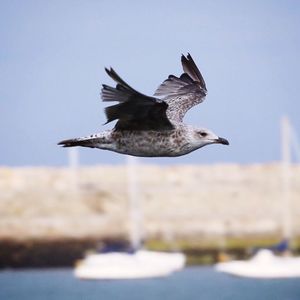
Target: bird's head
x=203, y=137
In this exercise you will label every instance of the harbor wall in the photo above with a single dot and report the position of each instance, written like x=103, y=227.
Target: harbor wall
x=195, y=205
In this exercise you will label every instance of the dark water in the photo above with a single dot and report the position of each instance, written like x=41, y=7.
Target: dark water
x=191, y=283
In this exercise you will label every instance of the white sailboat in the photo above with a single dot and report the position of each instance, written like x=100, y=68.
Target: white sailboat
x=134, y=264
x=265, y=264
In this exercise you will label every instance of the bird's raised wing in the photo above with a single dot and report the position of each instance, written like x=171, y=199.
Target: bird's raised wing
x=184, y=92
x=134, y=111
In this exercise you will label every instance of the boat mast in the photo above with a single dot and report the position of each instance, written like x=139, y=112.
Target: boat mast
x=73, y=156
x=73, y=164
x=286, y=174
x=135, y=215
x=287, y=138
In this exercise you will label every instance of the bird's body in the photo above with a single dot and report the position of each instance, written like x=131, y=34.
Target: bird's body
x=152, y=127
x=150, y=143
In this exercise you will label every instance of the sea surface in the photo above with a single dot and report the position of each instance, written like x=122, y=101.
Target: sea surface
x=191, y=283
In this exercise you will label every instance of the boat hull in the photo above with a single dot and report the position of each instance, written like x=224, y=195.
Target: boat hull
x=120, y=265
x=263, y=265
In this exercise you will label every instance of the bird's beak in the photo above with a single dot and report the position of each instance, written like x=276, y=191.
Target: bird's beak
x=223, y=141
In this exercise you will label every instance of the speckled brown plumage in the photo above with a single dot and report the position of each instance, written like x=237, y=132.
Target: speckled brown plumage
x=149, y=126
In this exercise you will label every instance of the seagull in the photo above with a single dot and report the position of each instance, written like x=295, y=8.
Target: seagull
x=152, y=126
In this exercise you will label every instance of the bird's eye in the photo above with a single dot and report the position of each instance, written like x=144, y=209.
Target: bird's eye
x=203, y=134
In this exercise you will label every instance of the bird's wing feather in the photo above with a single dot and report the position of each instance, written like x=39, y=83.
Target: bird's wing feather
x=184, y=92
x=134, y=111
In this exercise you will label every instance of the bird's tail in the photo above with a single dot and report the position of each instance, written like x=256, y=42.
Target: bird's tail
x=92, y=141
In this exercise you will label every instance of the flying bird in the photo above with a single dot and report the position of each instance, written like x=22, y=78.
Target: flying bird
x=152, y=126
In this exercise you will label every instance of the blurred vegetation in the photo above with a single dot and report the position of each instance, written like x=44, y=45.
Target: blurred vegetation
x=206, y=252
x=65, y=252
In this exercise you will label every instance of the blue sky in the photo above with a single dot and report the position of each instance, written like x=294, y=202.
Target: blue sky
x=53, y=54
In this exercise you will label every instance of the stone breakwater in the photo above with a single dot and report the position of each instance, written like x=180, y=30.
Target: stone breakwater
x=178, y=202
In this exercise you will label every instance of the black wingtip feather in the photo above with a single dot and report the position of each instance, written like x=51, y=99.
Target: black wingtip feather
x=135, y=111
x=114, y=75
x=190, y=67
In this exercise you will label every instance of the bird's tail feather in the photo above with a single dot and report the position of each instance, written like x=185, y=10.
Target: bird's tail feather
x=75, y=142
x=92, y=141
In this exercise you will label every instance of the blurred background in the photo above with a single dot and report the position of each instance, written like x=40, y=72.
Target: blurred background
x=55, y=204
